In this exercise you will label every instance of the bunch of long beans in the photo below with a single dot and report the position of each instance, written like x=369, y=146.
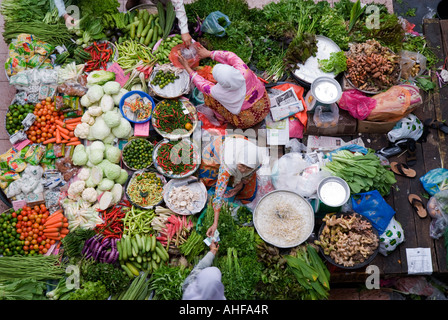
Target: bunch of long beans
x=54, y=34
x=38, y=267
x=131, y=52
x=138, y=290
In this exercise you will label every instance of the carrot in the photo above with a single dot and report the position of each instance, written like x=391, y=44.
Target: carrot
x=52, y=230
x=53, y=217
x=62, y=130
x=72, y=139
x=58, y=137
x=51, y=140
x=65, y=136
x=71, y=134
x=52, y=235
x=72, y=120
x=58, y=222
x=63, y=231
x=59, y=122
x=65, y=225
x=73, y=143
x=65, y=141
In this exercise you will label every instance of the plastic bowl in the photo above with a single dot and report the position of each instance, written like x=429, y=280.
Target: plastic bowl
x=143, y=95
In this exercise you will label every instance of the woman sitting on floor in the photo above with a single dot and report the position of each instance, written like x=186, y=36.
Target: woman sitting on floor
x=230, y=161
x=238, y=97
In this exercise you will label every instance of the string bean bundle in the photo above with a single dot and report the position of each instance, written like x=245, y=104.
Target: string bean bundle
x=177, y=157
x=39, y=267
x=170, y=116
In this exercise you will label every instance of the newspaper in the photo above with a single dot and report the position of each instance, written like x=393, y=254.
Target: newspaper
x=327, y=144
x=277, y=132
x=285, y=104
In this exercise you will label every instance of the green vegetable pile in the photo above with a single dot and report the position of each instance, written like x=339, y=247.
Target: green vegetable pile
x=90, y=291
x=337, y=63
x=22, y=289
x=10, y=243
x=361, y=172
x=16, y=113
x=113, y=278
x=164, y=78
x=138, y=154
x=167, y=282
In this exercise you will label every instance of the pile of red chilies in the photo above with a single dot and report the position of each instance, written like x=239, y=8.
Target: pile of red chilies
x=101, y=54
x=112, y=227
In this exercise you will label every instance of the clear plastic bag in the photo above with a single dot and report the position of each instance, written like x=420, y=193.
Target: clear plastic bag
x=213, y=26
x=412, y=64
x=327, y=119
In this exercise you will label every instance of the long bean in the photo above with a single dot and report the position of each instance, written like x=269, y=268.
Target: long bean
x=130, y=52
x=39, y=267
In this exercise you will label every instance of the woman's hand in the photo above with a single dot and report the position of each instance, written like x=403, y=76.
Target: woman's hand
x=211, y=231
x=184, y=62
x=186, y=38
x=234, y=191
x=214, y=246
x=201, y=51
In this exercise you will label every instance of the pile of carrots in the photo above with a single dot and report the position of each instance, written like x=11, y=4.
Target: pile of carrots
x=56, y=226
x=64, y=132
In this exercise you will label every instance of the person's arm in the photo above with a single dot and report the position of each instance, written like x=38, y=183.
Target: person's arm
x=228, y=57
x=181, y=16
x=221, y=186
x=61, y=7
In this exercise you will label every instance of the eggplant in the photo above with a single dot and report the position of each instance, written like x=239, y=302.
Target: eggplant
x=113, y=39
x=88, y=255
x=119, y=34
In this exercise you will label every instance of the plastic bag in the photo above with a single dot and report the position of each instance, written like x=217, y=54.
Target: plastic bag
x=188, y=53
x=408, y=127
x=391, y=105
x=391, y=238
x=286, y=170
x=435, y=180
x=356, y=103
x=438, y=226
x=433, y=208
x=372, y=206
x=212, y=25
x=326, y=119
x=295, y=128
x=412, y=64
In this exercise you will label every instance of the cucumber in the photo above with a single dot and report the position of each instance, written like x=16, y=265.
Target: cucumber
x=148, y=37
x=161, y=254
x=138, y=239
x=140, y=28
x=158, y=259
x=145, y=30
x=153, y=243
x=128, y=247
x=148, y=242
x=139, y=259
x=132, y=31
x=128, y=271
x=154, y=255
x=120, y=250
x=159, y=245
x=154, y=265
x=155, y=33
x=134, y=246
x=132, y=268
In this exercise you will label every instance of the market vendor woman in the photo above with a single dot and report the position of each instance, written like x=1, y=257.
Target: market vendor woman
x=238, y=97
x=232, y=161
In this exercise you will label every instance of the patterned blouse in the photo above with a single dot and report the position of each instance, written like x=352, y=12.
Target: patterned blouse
x=254, y=87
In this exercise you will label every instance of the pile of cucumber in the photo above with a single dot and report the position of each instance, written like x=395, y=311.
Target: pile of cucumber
x=140, y=25
x=140, y=253
x=164, y=49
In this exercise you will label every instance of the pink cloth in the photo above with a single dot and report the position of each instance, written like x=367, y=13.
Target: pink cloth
x=254, y=87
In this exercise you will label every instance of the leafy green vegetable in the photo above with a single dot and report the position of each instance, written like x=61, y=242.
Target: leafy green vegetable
x=167, y=282
x=337, y=63
x=361, y=172
x=113, y=278
x=419, y=44
x=333, y=25
x=355, y=13
x=90, y=291
x=22, y=289
x=425, y=83
x=61, y=291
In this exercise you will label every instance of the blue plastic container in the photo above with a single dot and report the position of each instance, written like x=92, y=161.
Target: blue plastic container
x=143, y=95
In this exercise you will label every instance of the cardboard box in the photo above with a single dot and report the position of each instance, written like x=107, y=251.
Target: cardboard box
x=346, y=126
x=365, y=126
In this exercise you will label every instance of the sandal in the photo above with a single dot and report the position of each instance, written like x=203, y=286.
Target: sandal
x=397, y=148
x=434, y=124
x=402, y=169
x=411, y=158
x=417, y=205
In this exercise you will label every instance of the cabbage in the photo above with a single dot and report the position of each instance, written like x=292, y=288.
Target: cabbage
x=96, y=156
x=112, y=171
x=111, y=87
x=97, y=145
x=107, y=103
x=95, y=93
x=123, y=177
x=113, y=154
x=79, y=157
x=106, y=184
x=123, y=130
x=112, y=118
x=117, y=97
x=99, y=130
x=100, y=77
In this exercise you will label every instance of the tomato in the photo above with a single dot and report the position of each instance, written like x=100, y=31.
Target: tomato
x=19, y=217
x=40, y=233
x=44, y=237
x=44, y=250
x=48, y=99
x=36, y=247
x=33, y=241
x=14, y=215
x=47, y=245
x=26, y=248
x=52, y=241
x=19, y=230
x=25, y=218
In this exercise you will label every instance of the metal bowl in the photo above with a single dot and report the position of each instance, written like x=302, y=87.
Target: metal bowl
x=127, y=144
x=359, y=265
x=170, y=175
x=134, y=176
x=258, y=211
x=171, y=136
x=196, y=186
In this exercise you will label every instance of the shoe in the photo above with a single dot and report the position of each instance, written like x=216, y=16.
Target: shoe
x=397, y=148
x=434, y=124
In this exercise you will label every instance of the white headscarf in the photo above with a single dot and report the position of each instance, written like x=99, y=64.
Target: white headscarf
x=230, y=90
x=241, y=151
x=207, y=286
